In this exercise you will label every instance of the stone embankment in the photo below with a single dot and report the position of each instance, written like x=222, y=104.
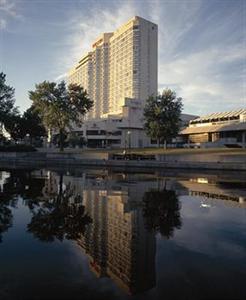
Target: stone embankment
x=203, y=161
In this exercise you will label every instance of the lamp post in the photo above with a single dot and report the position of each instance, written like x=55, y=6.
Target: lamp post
x=28, y=138
x=129, y=139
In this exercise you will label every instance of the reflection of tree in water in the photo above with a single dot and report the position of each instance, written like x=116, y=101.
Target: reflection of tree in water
x=21, y=183
x=58, y=218
x=7, y=200
x=162, y=211
x=18, y=183
x=5, y=219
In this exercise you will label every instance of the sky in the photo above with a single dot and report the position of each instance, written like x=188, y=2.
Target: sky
x=201, y=44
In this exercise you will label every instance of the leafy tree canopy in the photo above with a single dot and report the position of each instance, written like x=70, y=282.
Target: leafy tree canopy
x=60, y=106
x=7, y=102
x=162, y=116
x=15, y=127
x=32, y=123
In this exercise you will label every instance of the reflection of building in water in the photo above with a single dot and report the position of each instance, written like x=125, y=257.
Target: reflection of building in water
x=131, y=248
x=117, y=243
x=214, y=191
x=94, y=242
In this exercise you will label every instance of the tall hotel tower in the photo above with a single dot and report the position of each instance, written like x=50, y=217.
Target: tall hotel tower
x=121, y=65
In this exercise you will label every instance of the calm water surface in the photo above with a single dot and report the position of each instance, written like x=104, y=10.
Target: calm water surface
x=100, y=234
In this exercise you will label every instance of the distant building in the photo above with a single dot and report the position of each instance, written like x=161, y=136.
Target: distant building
x=213, y=193
x=217, y=130
x=122, y=131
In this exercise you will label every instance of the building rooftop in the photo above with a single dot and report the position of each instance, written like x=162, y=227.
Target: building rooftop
x=220, y=116
x=214, y=128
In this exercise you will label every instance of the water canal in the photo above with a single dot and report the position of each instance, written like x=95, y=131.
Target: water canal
x=104, y=234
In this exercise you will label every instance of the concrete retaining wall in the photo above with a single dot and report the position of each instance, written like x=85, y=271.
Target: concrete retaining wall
x=201, y=158
x=196, y=161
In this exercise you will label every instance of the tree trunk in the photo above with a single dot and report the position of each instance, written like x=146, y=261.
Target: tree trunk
x=61, y=137
x=165, y=144
x=59, y=198
x=158, y=141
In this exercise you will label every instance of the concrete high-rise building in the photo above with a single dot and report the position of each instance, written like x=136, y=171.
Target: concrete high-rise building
x=121, y=64
x=119, y=74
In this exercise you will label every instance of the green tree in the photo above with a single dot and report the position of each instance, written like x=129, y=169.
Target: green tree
x=33, y=124
x=7, y=101
x=29, y=123
x=15, y=126
x=162, y=116
x=60, y=106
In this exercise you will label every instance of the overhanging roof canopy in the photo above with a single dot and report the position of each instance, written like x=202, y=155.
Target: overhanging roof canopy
x=214, y=128
x=219, y=116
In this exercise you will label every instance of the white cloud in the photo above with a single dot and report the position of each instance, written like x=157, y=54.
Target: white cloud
x=199, y=55
x=202, y=57
x=61, y=77
x=83, y=30
x=205, y=79
x=8, y=11
x=3, y=24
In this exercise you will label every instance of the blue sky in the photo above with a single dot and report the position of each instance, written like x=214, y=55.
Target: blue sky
x=202, y=44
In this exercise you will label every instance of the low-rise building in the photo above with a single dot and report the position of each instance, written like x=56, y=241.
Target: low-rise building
x=223, y=129
x=123, y=130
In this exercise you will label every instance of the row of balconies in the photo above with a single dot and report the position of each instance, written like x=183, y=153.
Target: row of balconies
x=125, y=39
x=120, y=92
x=120, y=86
x=124, y=35
x=129, y=40
x=121, y=81
x=124, y=62
x=114, y=65
x=130, y=43
x=117, y=46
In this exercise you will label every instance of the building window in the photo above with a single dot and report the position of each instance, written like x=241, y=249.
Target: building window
x=95, y=132
x=116, y=132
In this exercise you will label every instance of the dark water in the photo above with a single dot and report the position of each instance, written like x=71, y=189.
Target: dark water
x=100, y=234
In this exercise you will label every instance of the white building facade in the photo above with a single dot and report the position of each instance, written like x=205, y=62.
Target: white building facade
x=119, y=74
x=121, y=64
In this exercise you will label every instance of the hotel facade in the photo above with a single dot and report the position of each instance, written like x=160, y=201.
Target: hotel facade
x=119, y=74
x=121, y=64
